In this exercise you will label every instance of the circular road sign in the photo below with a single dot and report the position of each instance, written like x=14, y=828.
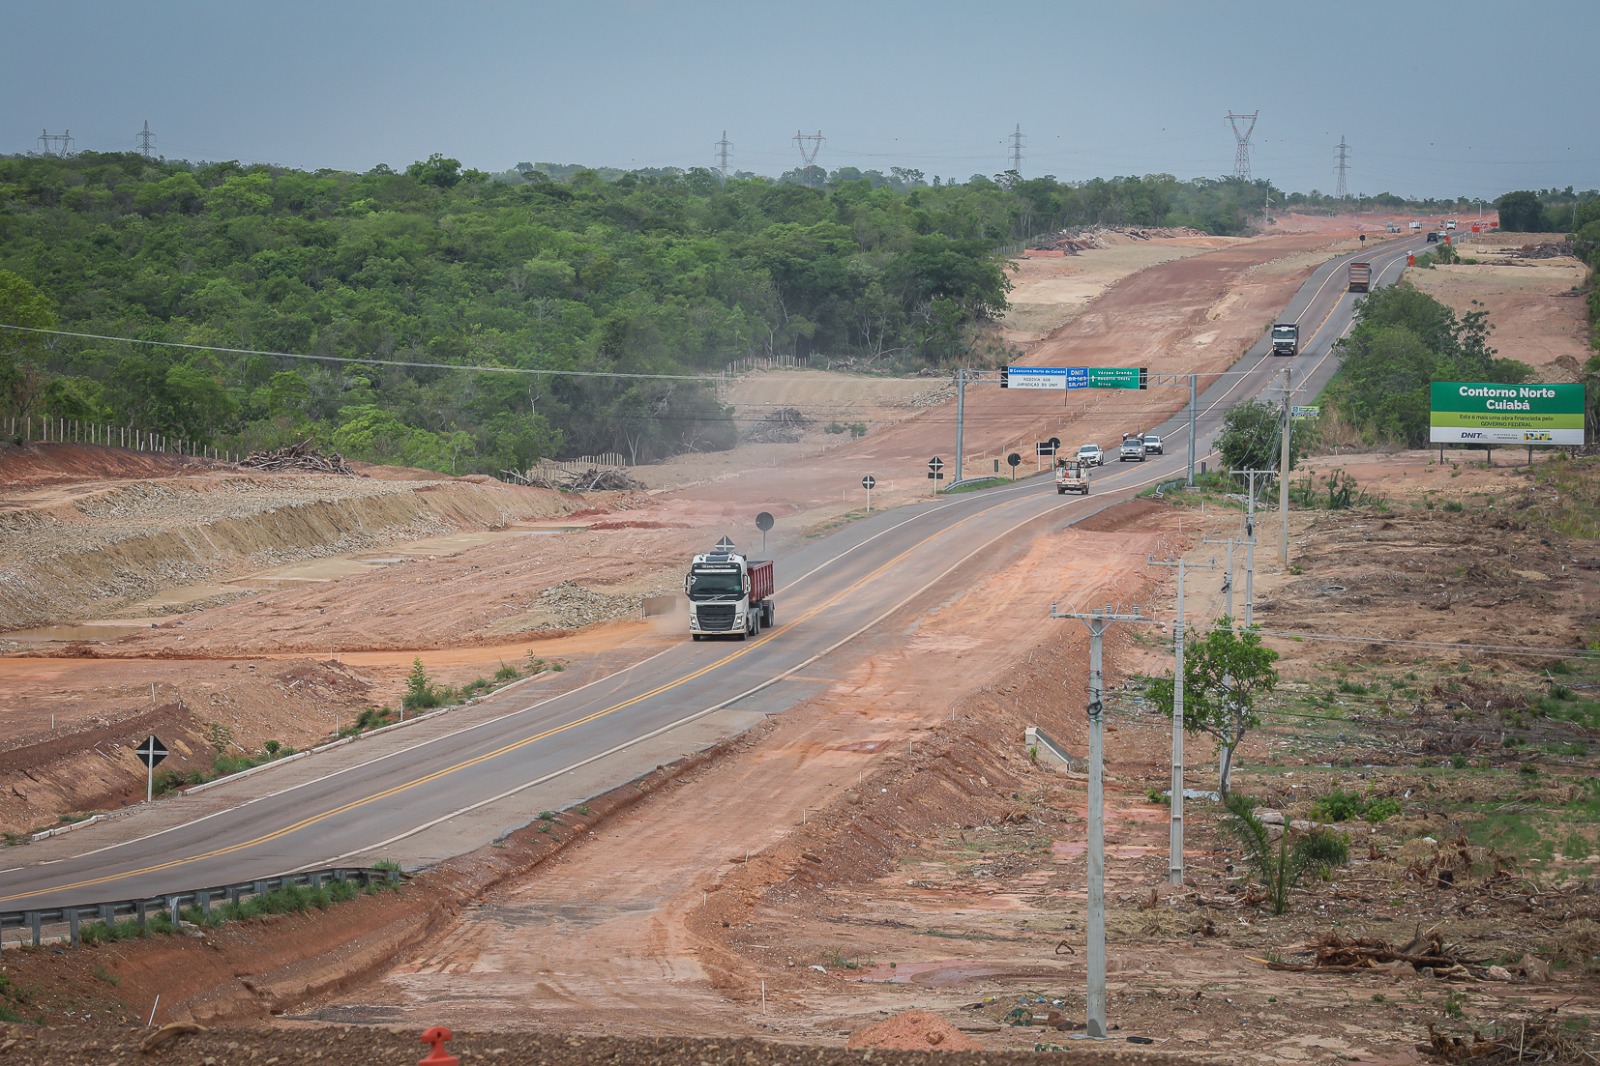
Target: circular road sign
x=764, y=521
x=868, y=482
x=1013, y=459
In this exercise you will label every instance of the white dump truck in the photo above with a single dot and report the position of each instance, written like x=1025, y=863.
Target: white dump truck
x=730, y=595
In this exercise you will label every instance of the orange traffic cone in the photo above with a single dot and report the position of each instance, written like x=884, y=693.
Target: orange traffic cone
x=1411, y=259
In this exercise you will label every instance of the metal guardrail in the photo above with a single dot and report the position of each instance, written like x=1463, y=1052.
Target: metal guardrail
x=36, y=921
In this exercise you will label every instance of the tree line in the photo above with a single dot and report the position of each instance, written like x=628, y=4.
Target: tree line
x=601, y=299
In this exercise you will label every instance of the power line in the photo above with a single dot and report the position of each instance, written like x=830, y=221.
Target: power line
x=707, y=378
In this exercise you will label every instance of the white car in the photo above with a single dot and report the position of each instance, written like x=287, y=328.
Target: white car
x=1152, y=444
x=1091, y=455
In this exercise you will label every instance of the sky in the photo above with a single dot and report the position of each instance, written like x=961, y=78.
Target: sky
x=1466, y=98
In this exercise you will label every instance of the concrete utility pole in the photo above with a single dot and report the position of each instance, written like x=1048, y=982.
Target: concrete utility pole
x=1095, y=1012
x=961, y=422
x=1175, y=820
x=1227, y=582
x=1283, y=470
x=1250, y=543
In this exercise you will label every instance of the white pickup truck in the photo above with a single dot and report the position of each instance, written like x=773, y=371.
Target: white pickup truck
x=1071, y=476
x=1132, y=448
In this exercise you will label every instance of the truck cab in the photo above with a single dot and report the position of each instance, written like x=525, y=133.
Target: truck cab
x=1286, y=338
x=729, y=595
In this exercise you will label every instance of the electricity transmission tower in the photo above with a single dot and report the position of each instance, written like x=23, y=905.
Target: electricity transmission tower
x=1342, y=192
x=55, y=143
x=809, y=144
x=722, y=147
x=1016, y=150
x=1241, y=158
x=146, y=139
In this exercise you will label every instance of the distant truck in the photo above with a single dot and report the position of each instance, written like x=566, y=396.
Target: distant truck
x=730, y=595
x=1286, y=338
x=1360, y=277
x=1071, y=476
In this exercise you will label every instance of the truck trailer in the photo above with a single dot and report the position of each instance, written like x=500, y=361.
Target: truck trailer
x=1360, y=277
x=730, y=595
x=1286, y=338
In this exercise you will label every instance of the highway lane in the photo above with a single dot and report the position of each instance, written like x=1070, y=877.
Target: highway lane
x=830, y=591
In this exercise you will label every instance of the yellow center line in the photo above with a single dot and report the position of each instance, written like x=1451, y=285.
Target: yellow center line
x=356, y=804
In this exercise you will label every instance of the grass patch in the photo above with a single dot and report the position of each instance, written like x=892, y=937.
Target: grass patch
x=975, y=485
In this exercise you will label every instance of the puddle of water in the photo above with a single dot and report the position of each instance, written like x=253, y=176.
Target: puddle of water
x=107, y=630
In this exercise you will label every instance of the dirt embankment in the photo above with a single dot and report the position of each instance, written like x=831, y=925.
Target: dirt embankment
x=86, y=549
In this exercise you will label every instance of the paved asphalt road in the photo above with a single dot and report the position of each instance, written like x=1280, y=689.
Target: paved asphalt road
x=458, y=781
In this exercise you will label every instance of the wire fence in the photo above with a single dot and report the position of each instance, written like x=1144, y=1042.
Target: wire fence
x=30, y=430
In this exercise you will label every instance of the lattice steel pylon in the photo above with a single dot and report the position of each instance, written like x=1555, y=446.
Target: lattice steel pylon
x=1016, y=150
x=1342, y=192
x=723, y=147
x=1241, y=158
x=55, y=143
x=146, y=140
x=809, y=144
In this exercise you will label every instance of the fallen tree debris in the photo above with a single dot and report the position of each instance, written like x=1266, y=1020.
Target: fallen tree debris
x=302, y=456
x=1535, y=1038
x=1425, y=953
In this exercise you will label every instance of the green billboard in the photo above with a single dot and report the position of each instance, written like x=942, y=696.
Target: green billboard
x=1473, y=412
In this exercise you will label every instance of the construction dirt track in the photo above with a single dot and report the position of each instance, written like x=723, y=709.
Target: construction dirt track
x=886, y=865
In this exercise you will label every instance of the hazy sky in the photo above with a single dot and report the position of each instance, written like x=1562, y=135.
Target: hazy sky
x=1460, y=98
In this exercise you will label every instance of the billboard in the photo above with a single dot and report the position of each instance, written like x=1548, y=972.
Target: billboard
x=1472, y=412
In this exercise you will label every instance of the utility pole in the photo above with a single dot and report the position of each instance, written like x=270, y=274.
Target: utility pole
x=1250, y=544
x=722, y=148
x=1342, y=191
x=1175, y=819
x=1241, y=157
x=961, y=410
x=1095, y=1012
x=1283, y=470
x=1227, y=582
x=1192, y=387
x=1016, y=150
x=146, y=139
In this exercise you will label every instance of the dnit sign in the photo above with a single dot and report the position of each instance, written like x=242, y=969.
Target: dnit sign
x=1486, y=412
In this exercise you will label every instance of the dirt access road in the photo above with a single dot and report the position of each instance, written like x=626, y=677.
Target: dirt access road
x=904, y=850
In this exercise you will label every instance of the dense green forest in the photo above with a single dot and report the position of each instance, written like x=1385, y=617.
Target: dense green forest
x=602, y=300
x=1578, y=215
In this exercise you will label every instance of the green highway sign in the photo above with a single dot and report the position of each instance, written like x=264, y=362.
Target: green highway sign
x=1462, y=412
x=1103, y=377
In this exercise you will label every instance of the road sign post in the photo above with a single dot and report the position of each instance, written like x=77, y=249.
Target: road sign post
x=867, y=483
x=150, y=752
x=936, y=472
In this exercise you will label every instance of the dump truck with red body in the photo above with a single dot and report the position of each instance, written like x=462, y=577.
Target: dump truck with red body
x=730, y=595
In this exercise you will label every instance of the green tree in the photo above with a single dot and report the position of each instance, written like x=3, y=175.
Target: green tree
x=1521, y=212
x=22, y=380
x=436, y=170
x=1252, y=437
x=1225, y=674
